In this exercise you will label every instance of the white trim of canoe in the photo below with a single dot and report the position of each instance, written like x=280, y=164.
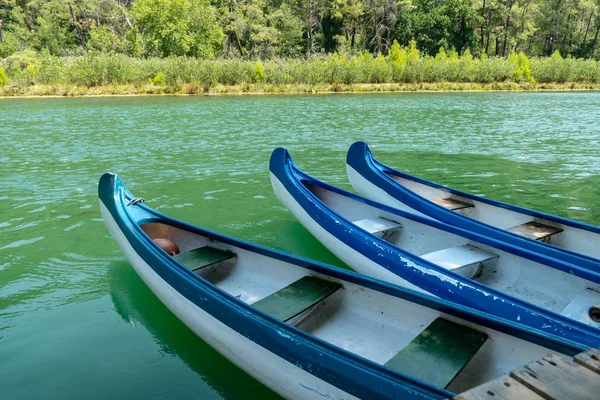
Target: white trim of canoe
x=390, y=323
x=572, y=238
x=273, y=371
x=347, y=254
x=371, y=191
x=583, y=293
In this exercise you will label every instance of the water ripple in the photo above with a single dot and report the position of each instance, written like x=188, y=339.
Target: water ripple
x=20, y=243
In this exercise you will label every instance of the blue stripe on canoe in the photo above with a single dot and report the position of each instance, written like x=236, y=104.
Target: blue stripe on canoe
x=361, y=159
x=347, y=371
x=320, y=358
x=469, y=293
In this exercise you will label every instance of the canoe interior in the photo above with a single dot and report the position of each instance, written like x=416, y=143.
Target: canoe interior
x=517, y=276
x=371, y=324
x=561, y=235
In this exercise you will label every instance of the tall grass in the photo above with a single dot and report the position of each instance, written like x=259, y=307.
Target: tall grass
x=404, y=65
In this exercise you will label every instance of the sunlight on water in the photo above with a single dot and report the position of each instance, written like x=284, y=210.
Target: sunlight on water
x=75, y=318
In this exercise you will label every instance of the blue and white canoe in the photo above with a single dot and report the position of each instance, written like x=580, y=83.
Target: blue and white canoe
x=560, y=238
x=311, y=331
x=428, y=255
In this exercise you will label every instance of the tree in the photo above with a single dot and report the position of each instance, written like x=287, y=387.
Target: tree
x=177, y=28
x=13, y=33
x=434, y=24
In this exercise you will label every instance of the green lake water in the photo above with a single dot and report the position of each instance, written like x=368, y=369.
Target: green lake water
x=76, y=322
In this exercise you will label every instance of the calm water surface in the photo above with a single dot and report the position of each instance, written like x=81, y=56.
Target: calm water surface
x=75, y=320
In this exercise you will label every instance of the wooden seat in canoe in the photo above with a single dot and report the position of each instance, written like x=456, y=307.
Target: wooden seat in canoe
x=203, y=257
x=535, y=230
x=381, y=227
x=452, y=204
x=297, y=297
x=464, y=260
x=439, y=353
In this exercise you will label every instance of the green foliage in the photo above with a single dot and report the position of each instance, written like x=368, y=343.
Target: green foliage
x=22, y=67
x=259, y=72
x=3, y=77
x=434, y=24
x=269, y=29
x=53, y=36
x=158, y=79
x=177, y=28
x=10, y=44
x=103, y=40
x=403, y=65
x=521, y=69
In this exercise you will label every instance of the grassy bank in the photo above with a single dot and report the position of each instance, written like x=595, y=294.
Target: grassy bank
x=250, y=89
x=404, y=69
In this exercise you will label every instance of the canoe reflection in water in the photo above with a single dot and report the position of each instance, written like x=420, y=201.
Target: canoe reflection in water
x=138, y=306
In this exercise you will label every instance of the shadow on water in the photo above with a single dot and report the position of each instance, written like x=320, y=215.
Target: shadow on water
x=137, y=305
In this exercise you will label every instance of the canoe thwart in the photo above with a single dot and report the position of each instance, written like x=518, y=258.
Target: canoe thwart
x=452, y=204
x=535, y=230
x=584, y=307
x=203, y=257
x=297, y=297
x=464, y=260
x=381, y=227
x=439, y=353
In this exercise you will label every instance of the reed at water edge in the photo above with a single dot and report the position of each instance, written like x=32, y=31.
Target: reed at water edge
x=403, y=69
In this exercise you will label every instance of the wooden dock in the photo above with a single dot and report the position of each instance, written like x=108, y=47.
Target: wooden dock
x=554, y=377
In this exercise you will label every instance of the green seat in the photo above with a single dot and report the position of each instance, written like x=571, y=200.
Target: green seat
x=203, y=257
x=439, y=353
x=293, y=299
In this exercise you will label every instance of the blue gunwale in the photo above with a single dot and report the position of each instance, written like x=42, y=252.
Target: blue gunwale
x=470, y=293
x=343, y=369
x=361, y=159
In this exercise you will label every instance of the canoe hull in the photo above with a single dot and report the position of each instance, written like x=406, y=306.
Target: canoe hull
x=368, y=189
x=265, y=366
x=307, y=199
x=347, y=254
x=576, y=244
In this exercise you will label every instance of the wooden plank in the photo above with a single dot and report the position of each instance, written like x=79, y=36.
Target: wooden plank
x=293, y=299
x=558, y=377
x=535, y=230
x=452, y=204
x=203, y=257
x=503, y=388
x=439, y=353
x=589, y=359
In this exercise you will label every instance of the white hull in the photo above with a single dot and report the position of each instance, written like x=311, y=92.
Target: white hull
x=347, y=254
x=369, y=190
x=340, y=347
x=516, y=276
x=273, y=371
x=571, y=238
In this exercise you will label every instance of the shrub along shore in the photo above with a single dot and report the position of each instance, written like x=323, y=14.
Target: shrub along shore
x=403, y=69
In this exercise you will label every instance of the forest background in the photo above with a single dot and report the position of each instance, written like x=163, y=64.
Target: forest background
x=177, y=45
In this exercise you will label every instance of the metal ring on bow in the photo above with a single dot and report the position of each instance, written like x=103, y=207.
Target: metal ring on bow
x=133, y=202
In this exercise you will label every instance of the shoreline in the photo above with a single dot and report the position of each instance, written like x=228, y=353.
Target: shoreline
x=72, y=91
